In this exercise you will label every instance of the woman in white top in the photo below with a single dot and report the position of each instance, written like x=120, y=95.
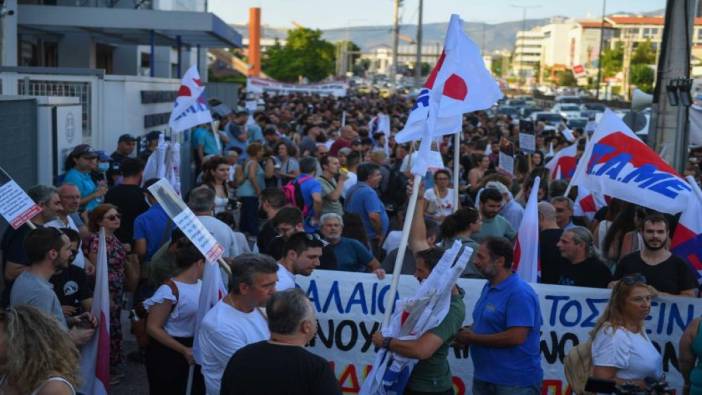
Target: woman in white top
x=215, y=174
x=439, y=200
x=171, y=326
x=36, y=356
x=621, y=350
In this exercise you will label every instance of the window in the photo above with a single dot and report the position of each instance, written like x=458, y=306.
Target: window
x=699, y=34
x=650, y=32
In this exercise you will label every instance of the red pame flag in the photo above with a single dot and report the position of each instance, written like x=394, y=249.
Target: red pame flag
x=95, y=355
x=563, y=164
x=687, y=240
x=526, y=249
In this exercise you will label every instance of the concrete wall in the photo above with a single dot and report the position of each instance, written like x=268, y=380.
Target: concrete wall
x=123, y=110
x=76, y=50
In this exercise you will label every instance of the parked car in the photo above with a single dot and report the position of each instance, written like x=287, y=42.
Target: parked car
x=597, y=107
x=567, y=110
x=569, y=100
x=526, y=111
x=574, y=122
x=549, y=118
x=508, y=110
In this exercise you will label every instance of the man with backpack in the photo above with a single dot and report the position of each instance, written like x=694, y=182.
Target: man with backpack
x=305, y=193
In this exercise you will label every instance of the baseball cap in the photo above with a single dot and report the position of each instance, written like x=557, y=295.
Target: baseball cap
x=83, y=150
x=126, y=138
x=102, y=156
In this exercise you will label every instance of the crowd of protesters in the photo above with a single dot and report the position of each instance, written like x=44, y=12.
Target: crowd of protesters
x=307, y=183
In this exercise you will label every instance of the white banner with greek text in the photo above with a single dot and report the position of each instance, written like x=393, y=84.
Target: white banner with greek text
x=350, y=308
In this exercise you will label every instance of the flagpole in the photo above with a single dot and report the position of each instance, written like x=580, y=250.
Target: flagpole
x=456, y=156
x=189, y=387
x=390, y=299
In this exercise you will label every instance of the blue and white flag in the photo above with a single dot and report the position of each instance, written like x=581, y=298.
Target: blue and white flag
x=412, y=318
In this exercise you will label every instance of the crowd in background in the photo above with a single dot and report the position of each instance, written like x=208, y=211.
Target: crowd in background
x=308, y=182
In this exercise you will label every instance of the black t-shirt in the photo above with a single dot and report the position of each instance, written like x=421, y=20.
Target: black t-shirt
x=263, y=368
x=589, y=273
x=326, y=261
x=265, y=235
x=550, y=256
x=129, y=199
x=71, y=286
x=13, y=251
x=670, y=276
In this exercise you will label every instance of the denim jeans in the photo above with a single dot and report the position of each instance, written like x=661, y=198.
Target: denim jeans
x=485, y=388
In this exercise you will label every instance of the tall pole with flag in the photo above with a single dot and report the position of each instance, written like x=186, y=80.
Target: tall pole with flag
x=459, y=83
x=687, y=240
x=95, y=355
x=526, y=249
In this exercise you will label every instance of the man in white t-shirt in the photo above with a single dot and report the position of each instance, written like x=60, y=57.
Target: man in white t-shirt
x=201, y=201
x=301, y=253
x=236, y=320
x=70, y=201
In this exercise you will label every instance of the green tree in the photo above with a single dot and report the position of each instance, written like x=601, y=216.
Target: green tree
x=496, y=66
x=643, y=76
x=566, y=78
x=612, y=60
x=644, y=54
x=305, y=54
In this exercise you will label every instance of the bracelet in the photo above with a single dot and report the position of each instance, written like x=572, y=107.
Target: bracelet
x=386, y=342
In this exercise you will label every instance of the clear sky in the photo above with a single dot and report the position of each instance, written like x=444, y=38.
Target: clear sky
x=324, y=14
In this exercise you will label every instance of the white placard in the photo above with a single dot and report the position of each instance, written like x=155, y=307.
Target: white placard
x=527, y=142
x=506, y=162
x=15, y=205
x=186, y=220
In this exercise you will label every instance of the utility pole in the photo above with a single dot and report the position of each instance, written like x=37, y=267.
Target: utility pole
x=599, y=57
x=626, y=64
x=519, y=57
x=669, y=115
x=395, y=39
x=418, y=58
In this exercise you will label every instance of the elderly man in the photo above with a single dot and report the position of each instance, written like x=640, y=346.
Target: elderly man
x=292, y=324
x=202, y=201
x=70, y=201
x=347, y=136
x=351, y=255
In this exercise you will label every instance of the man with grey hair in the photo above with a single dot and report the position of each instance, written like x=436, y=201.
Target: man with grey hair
x=549, y=235
x=14, y=256
x=236, y=320
x=70, y=201
x=584, y=268
x=564, y=212
x=351, y=255
x=202, y=201
x=281, y=365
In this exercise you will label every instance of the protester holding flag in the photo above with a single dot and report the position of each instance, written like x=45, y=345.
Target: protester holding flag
x=171, y=326
x=236, y=320
x=432, y=374
x=107, y=217
x=38, y=357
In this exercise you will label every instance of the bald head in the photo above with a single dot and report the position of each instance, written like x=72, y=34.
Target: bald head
x=547, y=216
x=70, y=198
x=348, y=133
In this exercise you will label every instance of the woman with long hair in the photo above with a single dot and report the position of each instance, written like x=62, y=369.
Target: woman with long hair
x=460, y=226
x=36, y=355
x=439, y=199
x=107, y=217
x=215, y=173
x=171, y=325
x=623, y=237
x=286, y=166
x=249, y=191
x=79, y=165
x=621, y=349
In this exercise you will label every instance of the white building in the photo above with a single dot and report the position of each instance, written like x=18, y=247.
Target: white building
x=554, y=47
x=527, y=52
x=380, y=58
x=122, y=64
x=584, y=43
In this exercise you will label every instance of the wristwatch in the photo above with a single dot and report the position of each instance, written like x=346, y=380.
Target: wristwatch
x=386, y=342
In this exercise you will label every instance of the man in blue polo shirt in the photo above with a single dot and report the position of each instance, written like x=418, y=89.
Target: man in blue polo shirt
x=351, y=255
x=504, y=337
x=152, y=228
x=362, y=199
